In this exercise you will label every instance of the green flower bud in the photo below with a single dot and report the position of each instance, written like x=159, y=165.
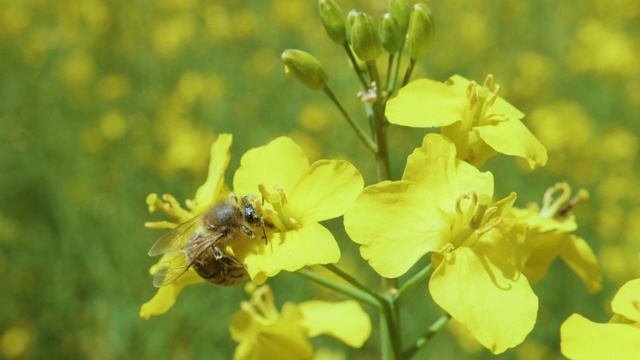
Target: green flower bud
x=351, y=18
x=305, y=68
x=333, y=19
x=390, y=34
x=364, y=38
x=421, y=32
x=401, y=11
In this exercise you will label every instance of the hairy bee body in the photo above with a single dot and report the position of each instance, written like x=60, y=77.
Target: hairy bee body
x=199, y=243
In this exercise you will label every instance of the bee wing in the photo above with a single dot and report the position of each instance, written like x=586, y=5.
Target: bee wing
x=170, y=270
x=176, y=239
x=172, y=267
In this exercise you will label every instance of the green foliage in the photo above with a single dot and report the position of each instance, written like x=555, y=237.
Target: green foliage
x=104, y=102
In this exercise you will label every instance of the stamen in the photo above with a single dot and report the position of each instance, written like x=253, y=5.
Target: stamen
x=496, y=94
x=489, y=226
x=580, y=196
x=488, y=81
x=278, y=200
x=448, y=247
x=550, y=206
x=468, y=196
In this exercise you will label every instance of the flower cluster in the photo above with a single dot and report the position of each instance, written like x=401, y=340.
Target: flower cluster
x=484, y=253
x=296, y=196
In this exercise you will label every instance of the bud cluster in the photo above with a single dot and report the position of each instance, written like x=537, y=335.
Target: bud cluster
x=402, y=26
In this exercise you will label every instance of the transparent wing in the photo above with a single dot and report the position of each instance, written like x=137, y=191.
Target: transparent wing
x=171, y=270
x=175, y=240
x=174, y=264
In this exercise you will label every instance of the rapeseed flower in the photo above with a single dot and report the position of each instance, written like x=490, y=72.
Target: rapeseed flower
x=550, y=235
x=297, y=196
x=617, y=339
x=475, y=118
x=443, y=206
x=211, y=191
x=264, y=333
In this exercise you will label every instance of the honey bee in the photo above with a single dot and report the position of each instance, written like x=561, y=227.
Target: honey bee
x=198, y=243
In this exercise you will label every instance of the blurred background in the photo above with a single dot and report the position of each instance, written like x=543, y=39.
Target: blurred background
x=103, y=102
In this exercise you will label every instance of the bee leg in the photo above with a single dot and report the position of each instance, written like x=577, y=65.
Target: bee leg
x=227, y=260
x=248, y=231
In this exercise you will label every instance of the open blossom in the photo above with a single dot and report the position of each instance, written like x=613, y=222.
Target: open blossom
x=265, y=333
x=297, y=196
x=550, y=235
x=475, y=118
x=443, y=206
x=617, y=339
x=212, y=190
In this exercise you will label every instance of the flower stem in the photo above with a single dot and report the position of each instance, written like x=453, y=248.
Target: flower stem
x=389, y=70
x=414, y=281
x=353, y=281
x=407, y=75
x=380, y=127
x=391, y=86
x=428, y=335
x=361, y=134
x=340, y=288
x=356, y=68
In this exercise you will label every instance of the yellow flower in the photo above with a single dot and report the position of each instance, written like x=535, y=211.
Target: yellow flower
x=549, y=236
x=476, y=119
x=213, y=189
x=296, y=197
x=264, y=333
x=617, y=339
x=442, y=206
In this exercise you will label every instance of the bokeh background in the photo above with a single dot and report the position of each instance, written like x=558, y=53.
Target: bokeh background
x=103, y=102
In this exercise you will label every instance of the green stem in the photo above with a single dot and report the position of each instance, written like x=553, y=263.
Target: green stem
x=407, y=75
x=428, y=335
x=389, y=70
x=341, y=288
x=353, y=281
x=414, y=281
x=380, y=128
x=356, y=68
x=391, y=86
x=361, y=134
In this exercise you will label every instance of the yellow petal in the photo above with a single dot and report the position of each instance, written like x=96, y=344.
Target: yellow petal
x=434, y=165
x=285, y=338
x=166, y=296
x=544, y=249
x=482, y=288
x=280, y=163
x=208, y=192
x=325, y=190
x=290, y=251
x=425, y=103
x=541, y=224
x=346, y=320
x=511, y=137
x=396, y=223
x=584, y=339
x=577, y=254
x=459, y=86
x=627, y=301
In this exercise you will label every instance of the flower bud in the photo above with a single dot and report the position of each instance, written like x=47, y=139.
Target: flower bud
x=401, y=11
x=364, y=38
x=390, y=34
x=421, y=32
x=305, y=68
x=333, y=19
x=351, y=18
